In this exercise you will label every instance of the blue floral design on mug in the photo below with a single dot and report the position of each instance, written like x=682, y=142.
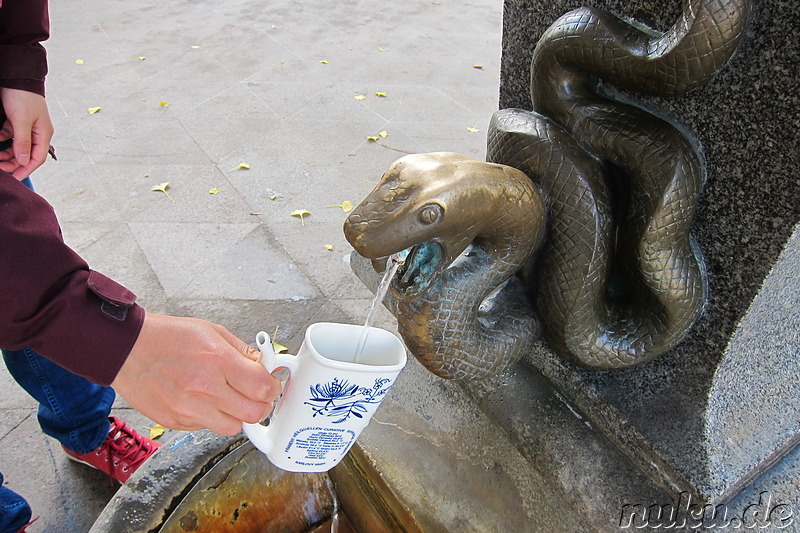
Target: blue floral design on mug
x=338, y=398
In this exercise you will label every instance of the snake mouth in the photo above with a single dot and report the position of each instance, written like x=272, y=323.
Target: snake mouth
x=418, y=271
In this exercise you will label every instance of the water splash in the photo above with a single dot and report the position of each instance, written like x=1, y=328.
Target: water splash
x=335, y=516
x=392, y=264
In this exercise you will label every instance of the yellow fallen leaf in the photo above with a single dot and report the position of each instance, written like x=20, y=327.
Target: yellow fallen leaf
x=373, y=138
x=195, y=46
x=272, y=196
x=156, y=431
x=329, y=247
x=381, y=49
x=256, y=212
x=361, y=97
x=141, y=58
x=278, y=348
x=162, y=187
x=300, y=213
x=477, y=66
x=473, y=130
x=242, y=166
x=93, y=110
x=346, y=206
x=79, y=61
x=384, y=134
x=380, y=94
x=163, y=103
x=214, y=191
x=324, y=61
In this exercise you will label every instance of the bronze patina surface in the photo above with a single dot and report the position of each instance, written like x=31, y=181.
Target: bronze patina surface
x=619, y=279
x=472, y=224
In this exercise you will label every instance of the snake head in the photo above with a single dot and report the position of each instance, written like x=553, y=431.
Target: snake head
x=409, y=209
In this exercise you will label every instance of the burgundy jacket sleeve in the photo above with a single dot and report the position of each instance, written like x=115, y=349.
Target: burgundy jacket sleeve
x=49, y=298
x=24, y=25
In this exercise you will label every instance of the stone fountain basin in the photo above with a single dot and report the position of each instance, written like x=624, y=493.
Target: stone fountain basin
x=433, y=455
x=201, y=481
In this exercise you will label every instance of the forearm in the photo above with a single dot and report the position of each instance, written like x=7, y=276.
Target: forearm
x=24, y=25
x=49, y=298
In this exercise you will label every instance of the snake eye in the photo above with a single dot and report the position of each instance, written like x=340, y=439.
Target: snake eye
x=430, y=213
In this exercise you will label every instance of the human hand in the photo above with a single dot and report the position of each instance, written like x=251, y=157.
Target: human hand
x=28, y=123
x=187, y=374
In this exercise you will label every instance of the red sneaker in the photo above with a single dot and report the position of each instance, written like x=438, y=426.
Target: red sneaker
x=25, y=527
x=123, y=451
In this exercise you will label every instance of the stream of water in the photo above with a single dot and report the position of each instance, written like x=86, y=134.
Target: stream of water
x=335, y=517
x=392, y=264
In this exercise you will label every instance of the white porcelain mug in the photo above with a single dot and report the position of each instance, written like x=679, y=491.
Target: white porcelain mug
x=328, y=398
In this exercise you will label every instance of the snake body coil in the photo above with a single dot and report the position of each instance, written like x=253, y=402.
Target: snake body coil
x=618, y=280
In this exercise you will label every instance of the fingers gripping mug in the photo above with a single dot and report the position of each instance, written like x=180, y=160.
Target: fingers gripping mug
x=328, y=398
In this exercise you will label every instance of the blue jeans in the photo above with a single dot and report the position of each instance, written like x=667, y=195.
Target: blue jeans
x=72, y=410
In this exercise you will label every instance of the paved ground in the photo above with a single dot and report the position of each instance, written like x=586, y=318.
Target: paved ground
x=190, y=91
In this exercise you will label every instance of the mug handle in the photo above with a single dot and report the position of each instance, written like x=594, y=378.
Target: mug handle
x=258, y=434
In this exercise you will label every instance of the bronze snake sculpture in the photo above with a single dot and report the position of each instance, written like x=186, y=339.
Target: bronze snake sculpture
x=445, y=315
x=618, y=279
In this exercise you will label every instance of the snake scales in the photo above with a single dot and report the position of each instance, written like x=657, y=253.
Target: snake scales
x=617, y=279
